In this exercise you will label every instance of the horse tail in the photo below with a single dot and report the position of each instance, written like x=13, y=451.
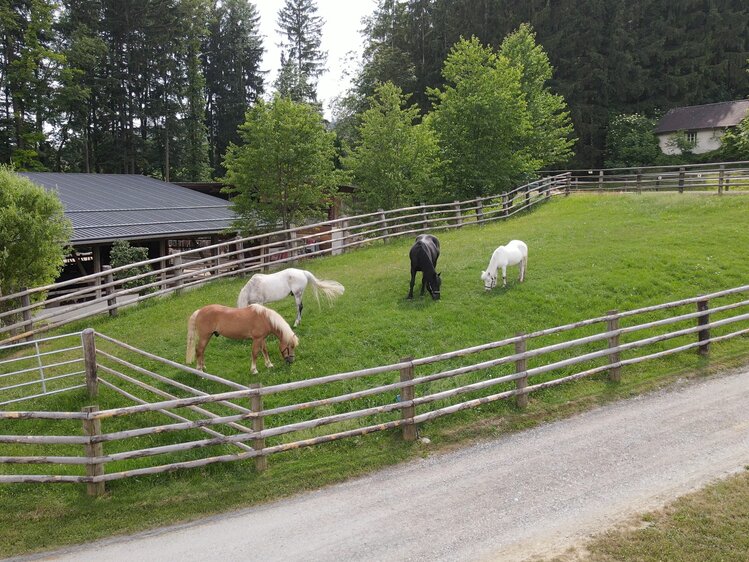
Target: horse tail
x=190, y=354
x=330, y=289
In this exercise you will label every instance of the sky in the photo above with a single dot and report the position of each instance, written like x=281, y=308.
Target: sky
x=340, y=37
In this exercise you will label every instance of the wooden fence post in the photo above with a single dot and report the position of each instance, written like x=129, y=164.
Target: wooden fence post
x=338, y=238
x=178, y=270
x=163, y=276
x=384, y=221
x=458, y=214
x=425, y=224
x=721, y=174
x=258, y=424
x=612, y=324
x=639, y=181
x=264, y=251
x=505, y=205
x=407, y=394
x=291, y=244
x=215, y=255
x=600, y=181
x=479, y=211
x=27, y=319
x=343, y=233
x=527, y=196
x=92, y=428
x=521, y=366
x=109, y=290
x=681, y=180
x=89, y=362
x=704, y=334
x=567, y=185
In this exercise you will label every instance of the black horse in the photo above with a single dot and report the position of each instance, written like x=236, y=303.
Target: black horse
x=424, y=254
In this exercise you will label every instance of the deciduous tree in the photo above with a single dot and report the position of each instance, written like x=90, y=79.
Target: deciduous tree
x=283, y=171
x=482, y=119
x=397, y=161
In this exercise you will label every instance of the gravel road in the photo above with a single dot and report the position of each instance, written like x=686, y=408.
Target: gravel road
x=533, y=493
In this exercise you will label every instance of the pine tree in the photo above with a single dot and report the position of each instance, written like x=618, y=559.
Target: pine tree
x=231, y=63
x=29, y=70
x=302, y=60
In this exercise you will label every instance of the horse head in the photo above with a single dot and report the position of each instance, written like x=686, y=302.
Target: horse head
x=490, y=281
x=287, y=348
x=434, y=286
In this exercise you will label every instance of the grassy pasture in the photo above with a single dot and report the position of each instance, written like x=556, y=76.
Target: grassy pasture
x=587, y=254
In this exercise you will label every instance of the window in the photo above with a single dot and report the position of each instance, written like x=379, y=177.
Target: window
x=692, y=137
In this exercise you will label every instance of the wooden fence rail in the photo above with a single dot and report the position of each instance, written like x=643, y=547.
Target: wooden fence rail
x=606, y=351
x=106, y=291
x=719, y=177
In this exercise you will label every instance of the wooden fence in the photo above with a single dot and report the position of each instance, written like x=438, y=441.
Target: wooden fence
x=718, y=177
x=234, y=422
x=26, y=313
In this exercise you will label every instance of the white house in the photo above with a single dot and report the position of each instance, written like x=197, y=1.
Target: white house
x=703, y=124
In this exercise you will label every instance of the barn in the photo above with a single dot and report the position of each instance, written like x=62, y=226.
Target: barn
x=150, y=213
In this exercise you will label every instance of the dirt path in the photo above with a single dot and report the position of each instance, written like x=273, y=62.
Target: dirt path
x=532, y=493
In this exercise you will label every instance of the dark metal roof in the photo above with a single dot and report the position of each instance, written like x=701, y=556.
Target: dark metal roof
x=710, y=116
x=107, y=207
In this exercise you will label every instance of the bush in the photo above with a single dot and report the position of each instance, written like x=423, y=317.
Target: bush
x=630, y=142
x=122, y=253
x=34, y=233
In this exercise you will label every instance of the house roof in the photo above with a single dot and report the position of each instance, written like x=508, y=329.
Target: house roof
x=709, y=116
x=108, y=207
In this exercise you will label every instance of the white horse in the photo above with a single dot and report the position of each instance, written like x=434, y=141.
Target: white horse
x=263, y=288
x=514, y=253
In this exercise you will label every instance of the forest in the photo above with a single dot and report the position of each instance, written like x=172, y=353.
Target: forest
x=160, y=87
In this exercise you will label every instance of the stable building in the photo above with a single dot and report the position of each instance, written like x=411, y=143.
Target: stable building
x=150, y=213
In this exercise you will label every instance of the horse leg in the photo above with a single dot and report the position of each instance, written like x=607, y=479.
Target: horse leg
x=423, y=283
x=522, y=270
x=299, y=307
x=200, y=351
x=256, y=344
x=264, y=349
x=411, y=287
x=504, y=275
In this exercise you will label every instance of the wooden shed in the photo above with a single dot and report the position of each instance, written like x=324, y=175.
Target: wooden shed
x=160, y=216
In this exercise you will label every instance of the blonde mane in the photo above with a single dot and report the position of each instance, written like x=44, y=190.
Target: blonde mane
x=277, y=322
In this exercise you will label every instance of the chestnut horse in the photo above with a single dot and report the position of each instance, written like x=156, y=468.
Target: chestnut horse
x=254, y=321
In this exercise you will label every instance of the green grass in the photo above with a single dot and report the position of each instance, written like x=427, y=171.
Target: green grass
x=702, y=526
x=587, y=254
